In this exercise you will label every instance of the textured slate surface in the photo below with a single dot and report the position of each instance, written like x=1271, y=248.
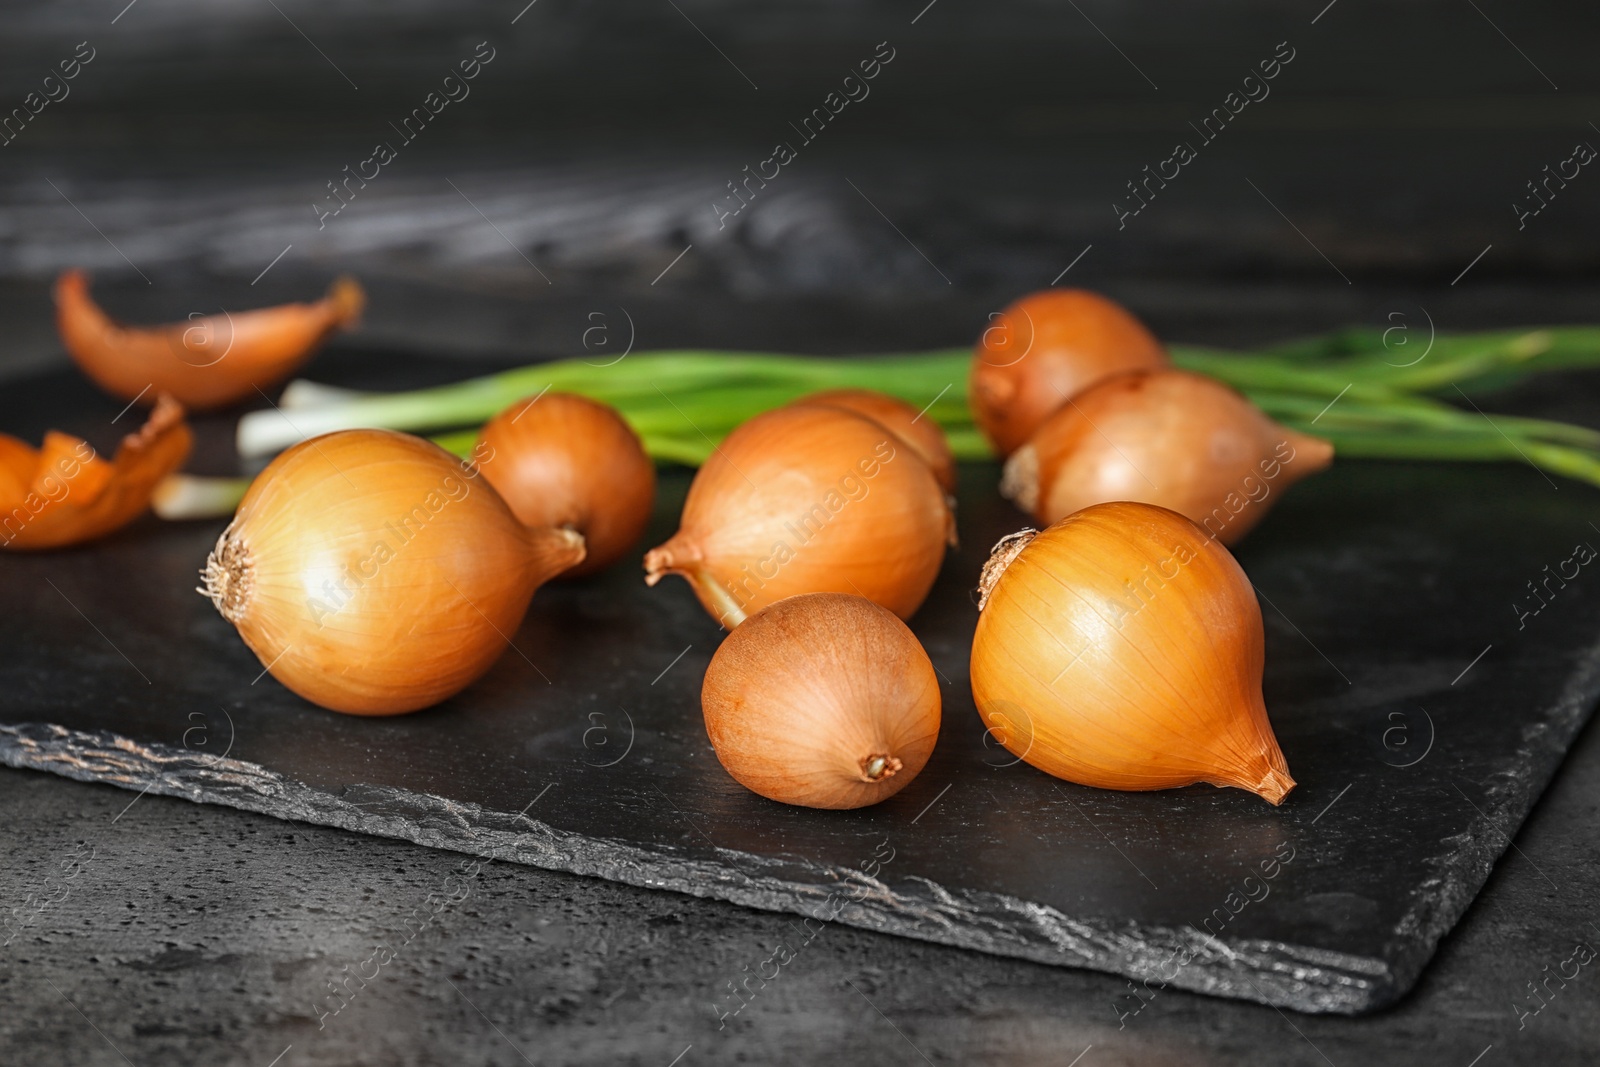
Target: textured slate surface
x=1390, y=579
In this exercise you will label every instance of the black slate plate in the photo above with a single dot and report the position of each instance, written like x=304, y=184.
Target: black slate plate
x=1421, y=712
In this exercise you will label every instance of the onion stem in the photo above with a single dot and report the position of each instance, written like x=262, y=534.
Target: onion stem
x=1361, y=388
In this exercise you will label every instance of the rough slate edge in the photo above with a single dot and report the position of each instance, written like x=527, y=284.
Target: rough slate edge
x=1270, y=972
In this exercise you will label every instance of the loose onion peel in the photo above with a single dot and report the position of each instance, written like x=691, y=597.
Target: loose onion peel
x=206, y=362
x=63, y=493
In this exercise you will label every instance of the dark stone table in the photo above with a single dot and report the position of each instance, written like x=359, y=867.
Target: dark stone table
x=197, y=934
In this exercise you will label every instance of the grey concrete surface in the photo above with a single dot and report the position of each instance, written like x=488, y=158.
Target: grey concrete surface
x=154, y=931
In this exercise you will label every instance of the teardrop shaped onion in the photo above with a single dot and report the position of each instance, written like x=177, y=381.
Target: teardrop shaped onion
x=823, y=700
x=910, y=425
x=1045, y=349
x=1123, y=648
x=1167, y=437
x=560, y=459
x=371, y=573
x=808, y=500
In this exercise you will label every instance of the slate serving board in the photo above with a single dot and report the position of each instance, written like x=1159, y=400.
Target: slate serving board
x=1420, y=710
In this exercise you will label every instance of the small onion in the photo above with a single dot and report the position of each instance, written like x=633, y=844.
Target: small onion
x=1045, y=349
x=564, y=460
x=823, y=700
x=372, y=574
x=1123, y=648
x=808, y=500
x=908, y=424
x=1167, y=437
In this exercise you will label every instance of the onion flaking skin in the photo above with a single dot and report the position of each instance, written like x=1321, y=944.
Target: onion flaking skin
x=63, y=493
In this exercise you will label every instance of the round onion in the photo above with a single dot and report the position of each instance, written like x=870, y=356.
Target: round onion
x=1045, y=349
x=805, y=500
x=823, y=700
x=564, y=460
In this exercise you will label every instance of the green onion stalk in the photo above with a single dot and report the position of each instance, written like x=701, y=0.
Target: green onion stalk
x=1370, y=397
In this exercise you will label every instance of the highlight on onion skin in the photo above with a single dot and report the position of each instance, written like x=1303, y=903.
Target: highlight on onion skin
x=205, y=362
x=808, y=499
x=908, y=424
x=64, y=494
x=1045, y=349
x=564, y=460
x=823, y=700
x=1167, y=437
x=1123, y=648
x=372, y=573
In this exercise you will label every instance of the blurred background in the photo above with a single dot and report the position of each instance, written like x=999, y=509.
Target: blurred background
x=188, y=163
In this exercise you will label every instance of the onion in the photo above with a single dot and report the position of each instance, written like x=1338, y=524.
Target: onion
x=204, y=362
x=1123, y=648
x=908, y=424
x=1165, y=437
x=1043, y=350
x=808, y=500
x=564, y=460
x=372, y=574
x=823, y=700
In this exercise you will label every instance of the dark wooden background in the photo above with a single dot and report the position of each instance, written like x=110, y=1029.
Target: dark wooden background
x=986, y=158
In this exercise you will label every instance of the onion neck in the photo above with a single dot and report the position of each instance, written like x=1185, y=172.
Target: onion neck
x=1005, y=550
x=1273, y=786
x=552, y=550
x=1312, y=454
x=681, y=557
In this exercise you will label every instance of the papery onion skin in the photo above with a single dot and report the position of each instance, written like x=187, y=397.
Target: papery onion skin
x=204, y=362
x=1045, y=349
x=808, y=500
x=823, y=700
x=64, y=494
x=372, y=574
x=1167, y=437
x=1123, y=648
x=564, y=460
x=909, y=424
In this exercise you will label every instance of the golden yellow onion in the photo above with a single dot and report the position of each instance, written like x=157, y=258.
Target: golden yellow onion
x=823, y=700
x=1045, y=349
x=908, y=424
x=564, y=460
x=808, y=500
x=1167, y=437
x=1123, y=648
x=372, y=573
